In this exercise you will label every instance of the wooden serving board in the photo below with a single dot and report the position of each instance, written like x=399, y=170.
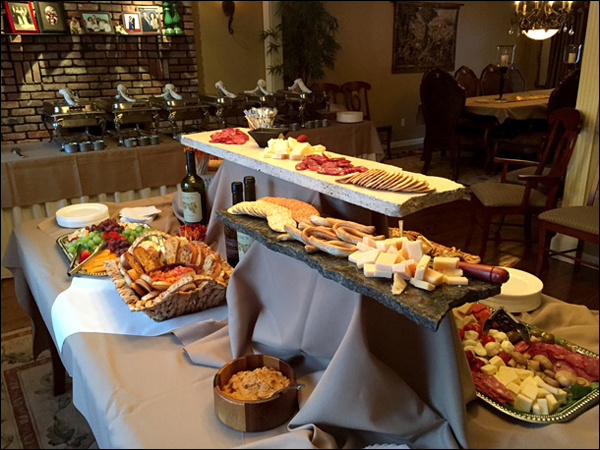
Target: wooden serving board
x=422, y=307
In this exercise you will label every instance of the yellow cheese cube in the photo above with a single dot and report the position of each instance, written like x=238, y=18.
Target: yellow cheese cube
x=497, y=361
x=543, y=404
x=445, y=263
x=553, y=404
x=535, y=409
x=524, y=373
x=523, y=403
x=489, y=369
x=434, y=277
x=514, y=388
x=530, y=391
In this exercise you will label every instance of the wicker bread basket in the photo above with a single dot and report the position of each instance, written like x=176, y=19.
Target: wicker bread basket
x=194, y=291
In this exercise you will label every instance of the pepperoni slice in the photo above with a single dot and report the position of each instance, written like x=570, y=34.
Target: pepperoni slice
x=301, y=166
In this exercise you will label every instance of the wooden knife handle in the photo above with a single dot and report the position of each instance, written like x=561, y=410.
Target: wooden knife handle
x=494, y=274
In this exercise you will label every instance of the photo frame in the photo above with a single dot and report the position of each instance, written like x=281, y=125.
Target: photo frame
x=424, y=36
x=21, y=17
x=151, y=19
x=96, y=23
x=51, y=17
x=132, y=23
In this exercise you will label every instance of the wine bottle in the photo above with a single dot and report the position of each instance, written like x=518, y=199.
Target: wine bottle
x=245, y=241
x=193, y=194
x=231, y=238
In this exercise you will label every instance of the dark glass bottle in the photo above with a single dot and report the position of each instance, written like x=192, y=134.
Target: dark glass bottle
x=231, y=238
x=193, y=194
x=245, y=241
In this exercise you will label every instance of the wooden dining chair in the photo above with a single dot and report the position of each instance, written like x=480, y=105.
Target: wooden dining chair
x=540, y=192
x=357, y=99
x=443, y=102
x=330, y=90
x=490, y=80
x=515, y=80
x=579, y=222
x=467, y=79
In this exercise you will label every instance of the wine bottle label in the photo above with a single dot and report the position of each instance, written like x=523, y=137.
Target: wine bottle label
x=244, y=243
x=232, y=249
x=192, y=207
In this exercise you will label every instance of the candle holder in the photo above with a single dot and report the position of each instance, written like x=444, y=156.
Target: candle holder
x=506, y=54
x=571, y=56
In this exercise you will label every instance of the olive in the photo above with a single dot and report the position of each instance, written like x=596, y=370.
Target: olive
x=513, y=336
x=535, y=332
x=548, y=338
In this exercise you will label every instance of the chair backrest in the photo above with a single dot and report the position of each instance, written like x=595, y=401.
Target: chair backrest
x=490, y=80
x=564, y=127
x=331, y=90
x=565, y=94
x=467, y=79
x=443, y=101
x=516, y=79
x=356, y=97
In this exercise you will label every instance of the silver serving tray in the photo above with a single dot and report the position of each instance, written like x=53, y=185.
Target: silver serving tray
x=564, y=413
x=62, y=243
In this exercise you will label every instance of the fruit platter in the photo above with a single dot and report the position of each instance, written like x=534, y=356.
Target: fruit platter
x=113, y=238
x=524, y=371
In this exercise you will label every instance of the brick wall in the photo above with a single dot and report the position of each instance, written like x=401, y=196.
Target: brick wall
x=34, y=69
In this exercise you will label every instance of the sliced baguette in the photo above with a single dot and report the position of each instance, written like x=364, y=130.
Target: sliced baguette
x=148, y=260
x=171, y=249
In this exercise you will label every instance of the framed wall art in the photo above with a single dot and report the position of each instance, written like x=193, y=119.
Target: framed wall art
x=131, y=23
x=150, y=19
x=21, y=17
x=424, y=36
x=96, y=22
x=51, y=17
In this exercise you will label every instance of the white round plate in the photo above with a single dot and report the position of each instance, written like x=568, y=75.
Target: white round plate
x=81, y=215
x=522, y=292
x=349, y=116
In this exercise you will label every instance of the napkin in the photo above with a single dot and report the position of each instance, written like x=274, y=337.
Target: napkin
x=141, y=214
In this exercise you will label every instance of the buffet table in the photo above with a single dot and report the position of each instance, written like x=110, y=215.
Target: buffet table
x=371, y=375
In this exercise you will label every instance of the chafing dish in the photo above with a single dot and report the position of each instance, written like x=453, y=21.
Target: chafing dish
x=125, y=110
x=174, y=108
x=59, y=116
x=225, y=104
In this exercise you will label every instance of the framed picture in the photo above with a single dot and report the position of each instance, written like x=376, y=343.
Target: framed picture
x=96, y=23
x=151, y=19
x=21, y=17
x=131, y=23
x=51, y=17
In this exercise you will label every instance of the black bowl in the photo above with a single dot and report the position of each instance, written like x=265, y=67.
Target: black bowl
x=262, y=135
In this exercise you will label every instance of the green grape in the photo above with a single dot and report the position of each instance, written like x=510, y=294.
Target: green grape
x=131, y=238
x=126, y=231
x=139, y=229
x=97, y=240
x=85, y=241
x=71, y=248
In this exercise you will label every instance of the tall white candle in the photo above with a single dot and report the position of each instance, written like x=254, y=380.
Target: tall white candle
x=572, y=57
x=504, y=60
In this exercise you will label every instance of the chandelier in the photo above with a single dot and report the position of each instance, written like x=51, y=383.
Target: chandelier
x=542, y=20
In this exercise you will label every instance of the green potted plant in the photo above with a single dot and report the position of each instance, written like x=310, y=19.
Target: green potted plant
x=306, y=35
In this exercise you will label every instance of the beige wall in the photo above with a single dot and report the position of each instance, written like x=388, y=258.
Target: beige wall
x=237, y=59
x=366, y=33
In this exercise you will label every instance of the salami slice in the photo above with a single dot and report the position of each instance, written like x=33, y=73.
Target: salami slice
x=490, y=386
x=581, y=365
x=231, y=136
x=301, y=166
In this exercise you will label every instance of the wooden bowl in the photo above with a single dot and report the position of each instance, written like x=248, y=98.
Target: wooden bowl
x=257, y=415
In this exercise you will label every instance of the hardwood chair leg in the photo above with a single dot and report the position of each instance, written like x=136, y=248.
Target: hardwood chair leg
x=543, y=244
x=579, y=255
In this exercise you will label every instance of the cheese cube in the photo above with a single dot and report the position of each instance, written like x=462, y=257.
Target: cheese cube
x=456, y=281
x=383, y=245
x=422, y=267
x=353, y=256
x=434, y=277
x=279, y=156
x=489, y=369
x=469, y=319
x=397, y=242
x=422, y=284
x=523, y=403
x=453, y=272
x=372, y=272
x=399, y=285
x=542, y=393
x=267, y=154
x=366, y=258
x=271, y=143
x=553, y=404
x=404, y=268
x=399, y=257
x=561, y=396
x=369, y=270
x=445, y=263
x=414, y=250
x=514, y=388
x=280, y=147
x=392, y=251
x=363, y=247
x=385, y=261
x=543, y=404
x=497, y=361
x=463, y=309
x=524, y=373
x=368, y=240
x=296, y=156
x=530, y=391
x=291, y=142
x=507, y=375
x=318, y=148
x=535, y=409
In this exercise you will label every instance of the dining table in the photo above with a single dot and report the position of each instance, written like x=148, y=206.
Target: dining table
x=371, y=375
x=517, y=106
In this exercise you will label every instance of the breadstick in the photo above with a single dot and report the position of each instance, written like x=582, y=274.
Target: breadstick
x=338, y=249
x=367, y=229
x=349, y=235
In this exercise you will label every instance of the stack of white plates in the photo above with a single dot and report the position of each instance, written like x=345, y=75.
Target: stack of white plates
x=81, y=215
x=522, y=292
x=349, y=116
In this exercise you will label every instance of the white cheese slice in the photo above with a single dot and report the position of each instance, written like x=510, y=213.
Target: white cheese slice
x=368, y=240
x=514, y=388
x=399, y=257
x=441, y=263
x=524, y=373
x=422, y=267
x=280, y=147
x=453, y=272
x=464, y=309
x=353, y=257
x=392, y=251
x=363, y=247
x=422, y=285
x=399, y=285
x=366, y=258
x=383, y=245
x=271, y=143
x=543, y=404
x=530, y=391
x=296, y=156
x=385, y=261
x=279, y=156
x=291, y=142
x=434, y=277
x=561, y=396
x=541, y=383
x=404, y=268
x=318, y=148
x=489, y=369
x=523, y=403
x=535, y=409
x=542, y=393
x=372, y=272
x=507, y=375
x=414, y=250
x=456, y=281
x=497, y=361
x=266, y=154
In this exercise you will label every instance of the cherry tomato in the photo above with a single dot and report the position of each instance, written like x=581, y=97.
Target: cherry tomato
x=505, y=356
x=473, y=327
x=302, y=138
x=485, y=338
x=461, y=333
x=85, y=254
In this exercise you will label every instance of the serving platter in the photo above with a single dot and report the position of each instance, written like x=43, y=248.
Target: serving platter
x=62, y=243
x=565, y=412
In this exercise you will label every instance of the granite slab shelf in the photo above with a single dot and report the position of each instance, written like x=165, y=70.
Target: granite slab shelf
x=392, y=204
x=422, y=307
